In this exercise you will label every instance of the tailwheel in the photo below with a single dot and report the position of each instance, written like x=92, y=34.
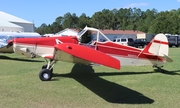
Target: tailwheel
x=158, y=68
x=45, y=75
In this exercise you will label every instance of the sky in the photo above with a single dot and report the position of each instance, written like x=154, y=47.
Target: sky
x=46, y=11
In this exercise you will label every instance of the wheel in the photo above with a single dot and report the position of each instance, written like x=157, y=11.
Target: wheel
x=45, y=67
x=45, y=75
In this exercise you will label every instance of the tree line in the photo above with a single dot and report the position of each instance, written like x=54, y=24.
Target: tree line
x=149, y=21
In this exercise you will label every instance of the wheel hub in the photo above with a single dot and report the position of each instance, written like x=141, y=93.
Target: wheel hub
x=45, y=75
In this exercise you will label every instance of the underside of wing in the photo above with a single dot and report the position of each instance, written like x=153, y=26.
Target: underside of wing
x=84, y=55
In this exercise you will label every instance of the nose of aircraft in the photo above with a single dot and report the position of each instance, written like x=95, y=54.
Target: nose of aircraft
x=10, y=43
x=24, y=46
x=6, y=47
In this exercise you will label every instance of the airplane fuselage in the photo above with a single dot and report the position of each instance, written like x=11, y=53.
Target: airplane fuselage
x=125, y=54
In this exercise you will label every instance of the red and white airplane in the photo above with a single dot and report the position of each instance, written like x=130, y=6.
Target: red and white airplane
x=105, y=53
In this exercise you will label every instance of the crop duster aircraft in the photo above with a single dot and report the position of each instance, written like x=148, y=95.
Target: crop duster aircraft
x=103, y=51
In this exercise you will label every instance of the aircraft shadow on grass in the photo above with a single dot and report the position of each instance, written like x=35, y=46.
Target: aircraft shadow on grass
x=109, y=91
x=19, y=59
x=163, y=71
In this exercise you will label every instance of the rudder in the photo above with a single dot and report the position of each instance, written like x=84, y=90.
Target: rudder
x=158, y=46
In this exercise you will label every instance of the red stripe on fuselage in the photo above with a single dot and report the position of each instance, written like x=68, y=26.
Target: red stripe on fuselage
x=160, y=42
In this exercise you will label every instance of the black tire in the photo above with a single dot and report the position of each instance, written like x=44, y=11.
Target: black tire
x=45, y=67
x=45, y=75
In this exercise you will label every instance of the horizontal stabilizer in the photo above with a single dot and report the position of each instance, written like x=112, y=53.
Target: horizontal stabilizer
x=168, y=59
x=88, y=54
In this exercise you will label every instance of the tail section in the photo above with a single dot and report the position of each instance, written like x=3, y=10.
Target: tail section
x=159, y=47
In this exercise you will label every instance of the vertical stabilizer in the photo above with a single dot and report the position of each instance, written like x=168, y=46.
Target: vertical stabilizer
x=158, y=46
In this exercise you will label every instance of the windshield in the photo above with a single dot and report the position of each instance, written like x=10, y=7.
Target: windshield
x=81, y=32
x=94, y=34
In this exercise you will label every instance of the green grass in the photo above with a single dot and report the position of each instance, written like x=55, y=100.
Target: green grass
x=76, y=86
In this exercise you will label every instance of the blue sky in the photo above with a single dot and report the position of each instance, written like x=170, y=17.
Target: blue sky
x=46, y=11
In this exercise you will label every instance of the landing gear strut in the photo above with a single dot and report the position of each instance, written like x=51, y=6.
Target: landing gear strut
x=46, y=73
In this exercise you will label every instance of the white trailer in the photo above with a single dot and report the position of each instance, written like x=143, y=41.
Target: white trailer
x=174, y=40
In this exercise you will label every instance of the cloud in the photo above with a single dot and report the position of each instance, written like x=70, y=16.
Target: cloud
x=137, y=5
x=178, y=0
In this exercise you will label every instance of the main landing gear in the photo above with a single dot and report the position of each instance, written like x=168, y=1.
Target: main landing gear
x=46, y=73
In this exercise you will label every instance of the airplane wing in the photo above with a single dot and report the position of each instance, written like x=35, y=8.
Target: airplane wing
x=84, y=55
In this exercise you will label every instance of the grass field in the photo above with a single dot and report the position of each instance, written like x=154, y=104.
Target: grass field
x=75, y=86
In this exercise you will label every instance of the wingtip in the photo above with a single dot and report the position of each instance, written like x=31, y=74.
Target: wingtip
x=118, y=66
